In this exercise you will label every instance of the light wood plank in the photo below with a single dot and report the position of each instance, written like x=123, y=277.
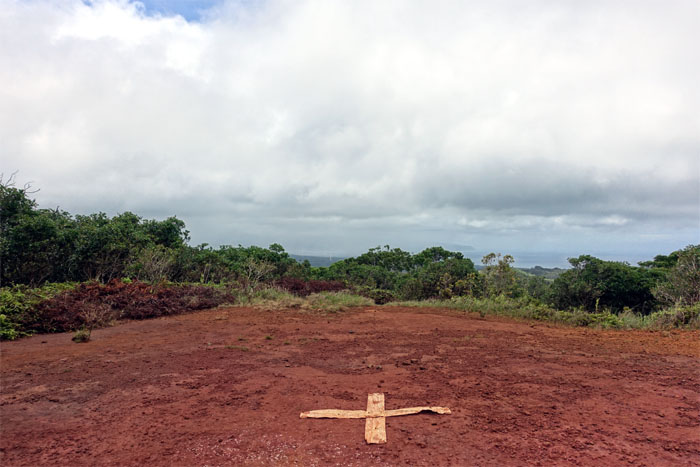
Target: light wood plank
x=337, y=413
x=375, y=425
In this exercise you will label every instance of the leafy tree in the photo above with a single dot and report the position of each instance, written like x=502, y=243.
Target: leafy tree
x=538, y=287
x=439, y=278
x=254, y=272
x=31, y=248
x=153, y=264
x=662, y=262
x=472, y=285
x=14, y=202
x=682, y=283
x=593, y=283
x=499, y=276
x=34, y=243
x=15, y=209
x=435, y=254
x=410, y=288
x=39, y=245
x=394, y=260
x=169, y=233
x=200, y=264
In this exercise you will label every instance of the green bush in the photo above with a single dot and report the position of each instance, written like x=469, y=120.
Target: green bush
x=528, y=308
x=379, y=296
x=9, y=330
x=592, y=283
x=82, y=335
x=18, y=307
x=681, y=285
x=605, y=320
x=676, y=317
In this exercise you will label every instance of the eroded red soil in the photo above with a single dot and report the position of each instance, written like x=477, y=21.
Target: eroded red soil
x=226, y=386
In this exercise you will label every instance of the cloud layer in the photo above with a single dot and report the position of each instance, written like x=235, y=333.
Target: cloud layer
x=333, y=126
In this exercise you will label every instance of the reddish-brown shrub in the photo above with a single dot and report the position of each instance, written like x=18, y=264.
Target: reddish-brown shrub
x=136, y=300
x=303, y=288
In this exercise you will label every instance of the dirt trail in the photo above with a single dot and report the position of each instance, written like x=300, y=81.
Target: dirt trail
x=226, y=387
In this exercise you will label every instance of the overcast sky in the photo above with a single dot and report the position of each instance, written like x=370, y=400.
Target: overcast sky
x=542, y=128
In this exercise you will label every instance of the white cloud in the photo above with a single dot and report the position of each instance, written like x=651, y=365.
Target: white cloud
x=443, y=122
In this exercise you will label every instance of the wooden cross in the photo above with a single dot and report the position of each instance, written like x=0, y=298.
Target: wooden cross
x=375, y=415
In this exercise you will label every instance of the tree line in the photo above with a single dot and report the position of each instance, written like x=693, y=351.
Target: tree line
x=50, y=245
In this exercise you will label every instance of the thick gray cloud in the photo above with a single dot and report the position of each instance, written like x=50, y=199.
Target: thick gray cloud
x=331, y=127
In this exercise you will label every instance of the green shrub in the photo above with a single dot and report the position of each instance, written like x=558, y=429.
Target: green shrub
x=411, y=289
x=82, y=335
x=682, y=283
x=605, y=320
x=676, y=317
x=528, y=308
x=18, y=307
x=379, y=296
x=630, y=320
x=9, y=330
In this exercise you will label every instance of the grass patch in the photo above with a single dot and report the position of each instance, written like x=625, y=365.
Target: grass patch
x=82, y=335
x=242, y=348
x=273, y=297
x=686, y=317
x=677, y=316
x=336, y=301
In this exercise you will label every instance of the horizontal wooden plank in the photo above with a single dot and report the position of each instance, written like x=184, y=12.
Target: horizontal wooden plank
x=336, y=413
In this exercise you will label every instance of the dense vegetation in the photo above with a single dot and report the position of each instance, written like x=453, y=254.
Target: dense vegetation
x=47, y=256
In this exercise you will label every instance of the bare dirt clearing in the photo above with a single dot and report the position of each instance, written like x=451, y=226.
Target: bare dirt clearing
x=226, y=387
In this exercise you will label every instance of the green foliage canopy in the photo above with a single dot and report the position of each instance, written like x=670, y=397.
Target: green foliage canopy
x=592, y=283
x=45, y=245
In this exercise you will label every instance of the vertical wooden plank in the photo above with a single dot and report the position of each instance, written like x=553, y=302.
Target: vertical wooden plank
x=375, y=426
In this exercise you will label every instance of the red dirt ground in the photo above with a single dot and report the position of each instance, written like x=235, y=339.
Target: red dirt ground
x=226, y=387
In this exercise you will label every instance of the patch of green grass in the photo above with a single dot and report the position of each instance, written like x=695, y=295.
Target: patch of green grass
x=82, y=335
x=238, y=347
x=523, y=308
x=336, y=301
x=272, y=297
x=268, y=338
x=677, y=316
